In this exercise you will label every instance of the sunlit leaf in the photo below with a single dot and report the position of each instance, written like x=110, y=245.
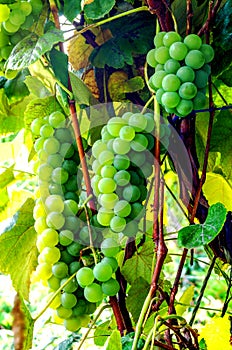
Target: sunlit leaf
x=185, y=299
x=216, y=333
x=114, y=341
x=98, y=8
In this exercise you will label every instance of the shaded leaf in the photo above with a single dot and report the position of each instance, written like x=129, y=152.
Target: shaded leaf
x=18, y=253
x=226, y=77
x=193, y=236
x=134, y=304
x=31, y=48
x=23, y=325
x=59, y=62
x=140, y=265
x=119, y=85
x=98, y=8
x=72, y=8
x=81, y=93
x=114, y=341
x=16, y=88
x=90, y=81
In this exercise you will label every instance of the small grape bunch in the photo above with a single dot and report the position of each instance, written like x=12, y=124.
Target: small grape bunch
x=181, y=72
x=122, y=164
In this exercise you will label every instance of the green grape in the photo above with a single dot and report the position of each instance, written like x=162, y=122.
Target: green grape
x=139, y=143
x=5, y=51
x=122, y=177
x=109, y=247
x=122, y=208
x=126, y=116
x=108, y=171
x=102, y=272
x=54, y=203
x=55, y=302
x=98, y=147
x=207, y=69
x=75, y=248
x=17, y=17
x=157, y=78
x=93, y=293
x=170, y=99
x=143, y=193
x=66, y=237
x=146, y=170
x=63, y=135
x=71, y=286
x=158, y=39
x=162, y=54
x=39, y=209
x=55, y=160
x=185, y=107
x=85, y=276
x=44, y=271
x=54, y=283
x=151, y=58
x=110, y=144
x=38, y=145
x=107, y=185
x=127, y=133
x=64, y=313
x=70, y=207
x=187, y=91
x=51, y=145
x=208, y=52
x=49, y=237
x=10, y=28
x=70, y=166
x=96, y=167
x=201, y=79
x=40, y=224
x=136, y=210
x=79, y=308
x=66, y=257
x=131, y=193
x=106, y=157
x=159, y=67
x=68, y=300
x=135, y=179
x=121, y=162
x=199, y=100
x=104, y=216
x=56, y=189
x=57, y=119
x=59, y=175
x=138, y=121
x=72, y=195
x=72, y=185
x=171, y=66
x=84, y=235
x=25, y=7
x=170, y=82
x=185, y=74
x=55, y=220
x=195, y=59
x=43, y=156
x=117, y=224
x=108, y=200
x=137, y=158
x=111, y=261
x=72, y=324
x=4, y=38
x=121, y=146
x=67, y=150
x=36, y=125
x=114, y=125
x=131, y=229
x=4, y=13
x=171, y=37
x=178, y=51
x=110, y=287
x=151, y=141
x=193, y=42
x=50, y=255
x=28, y=22
x=60, y=269
x=74, y=267
x=150, y=122
x=107, y=137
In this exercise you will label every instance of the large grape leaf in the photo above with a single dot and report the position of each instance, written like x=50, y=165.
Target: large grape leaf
x=32, y=47
x=98, y=8
x=198, y=235
x=82, y=94
x=140, y=265
x=134, y=304
x=18, y=253
x=221, y=140
x=217, y=189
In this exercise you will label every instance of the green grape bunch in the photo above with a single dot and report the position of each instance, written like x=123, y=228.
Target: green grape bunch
x=181, y=72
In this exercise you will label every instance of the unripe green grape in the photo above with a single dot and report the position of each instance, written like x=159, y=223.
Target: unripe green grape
x=66, y=237
x=158, y=39
x=131, y=229
x=102, y=272
x=98, y=147
x=138, y=121
x=107, y=185
x=106, y=136
x=55, y=160
x=43, y=156
x=114, y=125
x=68, y=300
x=137, y=158
x=104, y=216
x=66, y=257
x=171, y=66
x=137, y=210
x=126, y=116
x=84, y=235
x=208, y=52
x=187, y=91
x=55, y=302
x=109, y=247
x=60, y=269
x=139, y=143
x=111, y=261
x=150, y=122
x=170, y=82
x=121, y=146
x=70, y=287
x=207, y=69
x=171, y=37
x=110, y=144
x=44, y=172
x=185, y=107
x=25, y=7
x=122, y=208
x=4, y=39
x=127, y=133
x=193, y=42
x=170, y=99
x=199, y=100
x=96, y=167
x=106, y=157
x=29, y=20
x=10, y=28
x=54, y=283
x=39, y=209
x=85, y=276
x=159, y=67
x=55, y=220
x=108, y=171
x=74, y=248
x=135, y=178
x=46, y=131
x=59, y=175
x=185, y=74
x=72, y=195
x=157, y=78
x=117, y=224
x=38, y=145
x=70, y=207
x=40, y=224
x=63, y=312
x=146, y=170
x=57, y=119
x=6, y=51
x=51, y=145
x=195, y=59
x=162, y=54
x=122, y=177
x=4, y=13
x=36, y=124
x=44, y=271
x=56, y=189
x=50, y=255
x=63, y=134
x=49, y=237
x=131, y=193
x=67, y=150
x=121, y=162
x=178, y=51
x=93, y=293
x=201, y=79
x=108, y=200
x=17, y=17
x=151, y=58
x=72, y=324
x=110, y=287
x=70, y=166
x=54, y=203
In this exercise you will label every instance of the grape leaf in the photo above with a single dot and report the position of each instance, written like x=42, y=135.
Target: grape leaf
x=140, y=265
x=114, y=341
x=72, y=8
x=222, y=131
x=18, y=253
x=6, y=177
x=59, y=62
x=4, y=199
x=16, y=89
x=31, y=48
x=119, y=85
x=36, y=87
x=81, y=93
x=185, y=299
x=193, y=236
x=101, y=333
x=23, y=325
x=134, y=304
x=98, y=8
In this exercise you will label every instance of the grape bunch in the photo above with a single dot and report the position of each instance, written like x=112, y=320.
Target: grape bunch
x=122, y=164
x=181, y=71
x=15, y=21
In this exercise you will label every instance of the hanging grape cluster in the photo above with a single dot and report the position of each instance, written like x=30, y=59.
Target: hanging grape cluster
x=15, y=21
x=181, y=71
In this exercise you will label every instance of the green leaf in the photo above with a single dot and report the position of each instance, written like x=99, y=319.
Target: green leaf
x=226, y=77
x=193, y=236
x=98, y=8
x=59, y=62
x=16, y=88
x=134, y=304
x=82, y=94
x=72, y=8
x=119, y=85
x=18, y=253
x=101, y=333
x=114, y=341
x=36, y=87
x=11, y=118
x=140, y=265
x=185, y=299
x=31, y=48
x=4, y=199
x=6, y=177
x=221, y=140
x=23, y=325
